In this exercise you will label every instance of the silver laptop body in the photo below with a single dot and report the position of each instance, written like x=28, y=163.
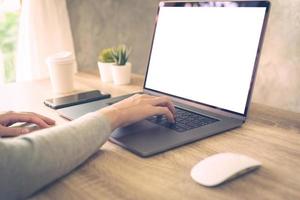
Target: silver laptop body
x=204, y=56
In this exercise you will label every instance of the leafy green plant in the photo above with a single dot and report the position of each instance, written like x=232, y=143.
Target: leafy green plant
x=120, y=54
x=8, y=41
x=106, y=56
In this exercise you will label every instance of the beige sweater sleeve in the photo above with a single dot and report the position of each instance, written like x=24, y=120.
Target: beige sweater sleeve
x=29, y=162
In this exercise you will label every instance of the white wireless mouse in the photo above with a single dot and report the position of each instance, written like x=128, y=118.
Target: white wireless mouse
x=222, y=167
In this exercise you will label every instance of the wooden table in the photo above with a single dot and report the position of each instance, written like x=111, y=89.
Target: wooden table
x=270, y=135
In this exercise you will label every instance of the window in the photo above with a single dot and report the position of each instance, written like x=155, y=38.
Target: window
x=9, y=18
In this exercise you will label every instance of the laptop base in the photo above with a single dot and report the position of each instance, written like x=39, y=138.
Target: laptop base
x=147, y=139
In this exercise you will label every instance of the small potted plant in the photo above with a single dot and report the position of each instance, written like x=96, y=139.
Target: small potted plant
x=105, y=62
x=121, y=70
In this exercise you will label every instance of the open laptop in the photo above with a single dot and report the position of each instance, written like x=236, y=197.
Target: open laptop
x=204, y=55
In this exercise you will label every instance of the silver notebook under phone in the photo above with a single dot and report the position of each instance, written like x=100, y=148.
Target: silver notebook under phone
x=204, y=55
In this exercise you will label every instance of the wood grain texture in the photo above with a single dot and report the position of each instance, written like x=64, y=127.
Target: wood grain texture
x=270, y=135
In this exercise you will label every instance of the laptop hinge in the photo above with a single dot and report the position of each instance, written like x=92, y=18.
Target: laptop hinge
x=199, y=106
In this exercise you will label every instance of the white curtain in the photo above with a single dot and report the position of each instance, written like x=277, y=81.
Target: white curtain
x=44, y=30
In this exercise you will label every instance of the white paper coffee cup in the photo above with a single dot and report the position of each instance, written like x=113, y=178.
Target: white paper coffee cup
x=61, y=69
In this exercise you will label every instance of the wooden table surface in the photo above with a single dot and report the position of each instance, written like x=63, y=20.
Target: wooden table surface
x=270, y=135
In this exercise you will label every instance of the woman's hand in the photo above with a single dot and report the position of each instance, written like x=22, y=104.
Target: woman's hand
x=9, y=118
x=138, y=107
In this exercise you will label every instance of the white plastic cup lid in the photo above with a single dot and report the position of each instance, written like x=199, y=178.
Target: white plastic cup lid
x=62, y=57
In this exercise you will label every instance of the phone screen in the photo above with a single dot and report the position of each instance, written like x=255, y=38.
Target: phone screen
x=76, y=99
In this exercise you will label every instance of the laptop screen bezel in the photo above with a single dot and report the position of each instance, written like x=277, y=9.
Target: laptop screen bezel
x=265, y=4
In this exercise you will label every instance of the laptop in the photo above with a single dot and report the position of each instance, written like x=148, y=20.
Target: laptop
x=204, y=55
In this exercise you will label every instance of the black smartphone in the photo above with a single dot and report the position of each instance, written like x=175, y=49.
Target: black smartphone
x=75, y=99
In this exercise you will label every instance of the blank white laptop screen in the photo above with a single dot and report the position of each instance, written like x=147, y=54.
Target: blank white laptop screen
x=206, y=54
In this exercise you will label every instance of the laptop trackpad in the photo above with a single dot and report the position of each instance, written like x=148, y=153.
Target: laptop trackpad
x=139, y=127
x=145, y=138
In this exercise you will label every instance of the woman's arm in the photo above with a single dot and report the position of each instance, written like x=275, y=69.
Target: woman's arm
x=29, y=162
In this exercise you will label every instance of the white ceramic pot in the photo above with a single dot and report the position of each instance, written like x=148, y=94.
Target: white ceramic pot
x=105, y=70
x=121, y=74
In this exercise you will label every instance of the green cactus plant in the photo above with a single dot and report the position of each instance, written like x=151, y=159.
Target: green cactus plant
x=120, y=55
x=106, y=56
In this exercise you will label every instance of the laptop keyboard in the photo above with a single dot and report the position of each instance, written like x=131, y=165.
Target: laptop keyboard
x=185, y=120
